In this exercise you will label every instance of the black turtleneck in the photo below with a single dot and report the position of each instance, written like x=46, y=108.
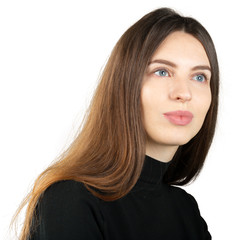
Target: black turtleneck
x=152, y=210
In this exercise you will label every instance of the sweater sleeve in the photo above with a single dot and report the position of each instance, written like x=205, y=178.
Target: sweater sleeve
x=203, y=225
x=68, y=211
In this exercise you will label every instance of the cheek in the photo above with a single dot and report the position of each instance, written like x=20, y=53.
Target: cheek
x=203, y=104
x=207, y=102
x=153, y=94
x=147, y=98
x=149, y=103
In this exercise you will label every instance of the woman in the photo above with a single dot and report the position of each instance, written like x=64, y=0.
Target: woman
x=150, y=125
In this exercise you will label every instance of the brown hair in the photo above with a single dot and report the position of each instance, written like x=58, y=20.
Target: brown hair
x=107, y=155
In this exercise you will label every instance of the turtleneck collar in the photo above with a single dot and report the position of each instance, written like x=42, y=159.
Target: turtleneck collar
x=153, y=170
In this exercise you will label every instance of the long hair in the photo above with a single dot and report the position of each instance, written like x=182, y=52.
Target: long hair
x=107, y=155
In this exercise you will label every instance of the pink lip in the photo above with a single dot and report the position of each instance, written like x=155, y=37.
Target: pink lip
x=181, y=118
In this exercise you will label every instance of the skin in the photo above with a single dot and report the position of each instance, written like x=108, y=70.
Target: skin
x=177, y=78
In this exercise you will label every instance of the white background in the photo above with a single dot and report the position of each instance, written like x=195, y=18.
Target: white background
x=51, y=55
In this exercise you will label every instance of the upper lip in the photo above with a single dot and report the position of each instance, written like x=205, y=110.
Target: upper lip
x=179, y=113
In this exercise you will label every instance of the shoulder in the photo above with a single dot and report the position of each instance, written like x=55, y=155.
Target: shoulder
x=182, y=196
x=67, y=194
x=179, y=191
x=67, y=190
x=67, y=187
x=187, y=205
x=67, y=210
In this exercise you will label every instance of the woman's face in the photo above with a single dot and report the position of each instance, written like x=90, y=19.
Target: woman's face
x=176, y=92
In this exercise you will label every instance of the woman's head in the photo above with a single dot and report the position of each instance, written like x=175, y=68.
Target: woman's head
x=128, y=65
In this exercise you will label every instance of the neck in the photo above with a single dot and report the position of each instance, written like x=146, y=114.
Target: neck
x=161, y=153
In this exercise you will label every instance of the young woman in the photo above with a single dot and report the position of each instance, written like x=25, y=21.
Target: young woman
x=149, y=127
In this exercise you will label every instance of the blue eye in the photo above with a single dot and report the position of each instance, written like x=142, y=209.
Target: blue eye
x=162, y=73
x=200, y=78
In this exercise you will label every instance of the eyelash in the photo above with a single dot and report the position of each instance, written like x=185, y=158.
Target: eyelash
x=162, y=70
x=201, y=74
x=165, y=70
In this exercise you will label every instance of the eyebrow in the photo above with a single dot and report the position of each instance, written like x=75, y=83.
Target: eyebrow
x=169, y=63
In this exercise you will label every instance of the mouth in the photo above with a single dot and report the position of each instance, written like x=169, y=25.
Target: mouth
x=180, y=118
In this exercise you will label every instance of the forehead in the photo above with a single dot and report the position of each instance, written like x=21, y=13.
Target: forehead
x=182, y=48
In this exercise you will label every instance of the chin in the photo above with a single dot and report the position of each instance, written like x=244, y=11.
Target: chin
x=171, y=139
x=176, y=140
x=182, y=138
x=176, y=143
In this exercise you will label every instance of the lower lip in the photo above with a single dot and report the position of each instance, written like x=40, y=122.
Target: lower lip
x=179, y=118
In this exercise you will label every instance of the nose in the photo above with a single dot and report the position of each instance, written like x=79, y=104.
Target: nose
x=180, y=91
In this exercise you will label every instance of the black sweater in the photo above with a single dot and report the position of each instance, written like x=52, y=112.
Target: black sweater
x=152, y=210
